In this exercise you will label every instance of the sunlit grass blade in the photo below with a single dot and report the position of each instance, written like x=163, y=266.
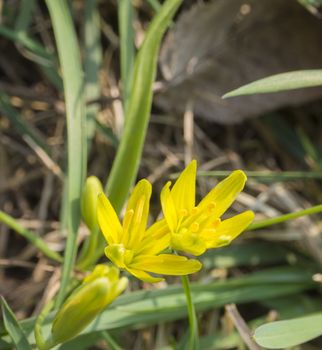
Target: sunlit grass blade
x=280, y=82
x=92, y=64
x=13, y=328
x=126, y=32
x=126, y=163
x=265, y=176
x=30, y=236
x=280, y=219
x=289, y=333
x=70, y=61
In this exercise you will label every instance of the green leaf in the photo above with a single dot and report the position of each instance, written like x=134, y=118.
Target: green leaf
x=288, y=333
x=141, y=308
x=126, y=163
x=125, y=16
x=92, y=63
x=13, y=328
x=72, y=73
x=30, y=236
x=280, y=82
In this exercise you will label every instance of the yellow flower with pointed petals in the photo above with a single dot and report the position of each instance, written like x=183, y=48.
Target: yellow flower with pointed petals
x=194, y=229
x=132, y=247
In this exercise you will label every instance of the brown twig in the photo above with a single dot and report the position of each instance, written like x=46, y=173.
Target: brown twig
x=241, y=327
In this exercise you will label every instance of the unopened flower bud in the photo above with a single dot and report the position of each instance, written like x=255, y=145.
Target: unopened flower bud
x=91, y=190
x=96, y=292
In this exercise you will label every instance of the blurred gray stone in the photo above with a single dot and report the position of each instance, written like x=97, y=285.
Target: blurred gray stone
x=218, y=46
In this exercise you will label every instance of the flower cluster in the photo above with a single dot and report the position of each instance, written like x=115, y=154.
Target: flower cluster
x=185, y=227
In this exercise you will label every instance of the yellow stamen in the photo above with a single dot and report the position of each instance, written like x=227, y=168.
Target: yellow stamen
x=194, y=227
x=216, y=223
x=211, y=207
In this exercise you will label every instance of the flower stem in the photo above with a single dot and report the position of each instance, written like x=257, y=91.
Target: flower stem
x=279, y=219
x=43, y=344
x=193, y=324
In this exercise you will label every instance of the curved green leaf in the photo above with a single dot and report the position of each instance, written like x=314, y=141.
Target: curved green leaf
x=280, y=82
x=13, y=328
x=288, y=333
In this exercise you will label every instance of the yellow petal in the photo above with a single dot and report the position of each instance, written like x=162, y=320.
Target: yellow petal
x=139, y=203
x=167, y=264
x=184, y=189
x=156, y=246
x=168, y=207
x=143, y=276
x=229, y=229
x=108, y=220
x=225, y=193
x=156, y=239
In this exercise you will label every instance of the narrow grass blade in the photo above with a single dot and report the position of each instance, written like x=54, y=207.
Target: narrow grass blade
x=155, y=4
x=25, y=15
x=69, y=57
x=289, y=333
x=126, y=32
x=13, y=328
x=30, y=236
x=92, y=63
x=23, y=127
x=126, y=163
x=266, y=176
x=280, y=219
x=280, y=82
x=44, y=57
x=19, y=36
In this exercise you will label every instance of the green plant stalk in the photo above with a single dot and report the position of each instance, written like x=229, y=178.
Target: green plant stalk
x=30, y=236
x=126, y=163
x=110, y=341
x=125, y=16
x=280, y=219
x=43, y=344
x=70, y=61
x=193, y=322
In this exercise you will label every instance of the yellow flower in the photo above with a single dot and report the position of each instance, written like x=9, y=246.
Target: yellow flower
x=132, y=247
x=194, y=229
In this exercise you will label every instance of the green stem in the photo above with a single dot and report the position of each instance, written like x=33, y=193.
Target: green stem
x=110, y=341
x=193, y=323
x=30, y=236
x=43, y=344
x=264, y=223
